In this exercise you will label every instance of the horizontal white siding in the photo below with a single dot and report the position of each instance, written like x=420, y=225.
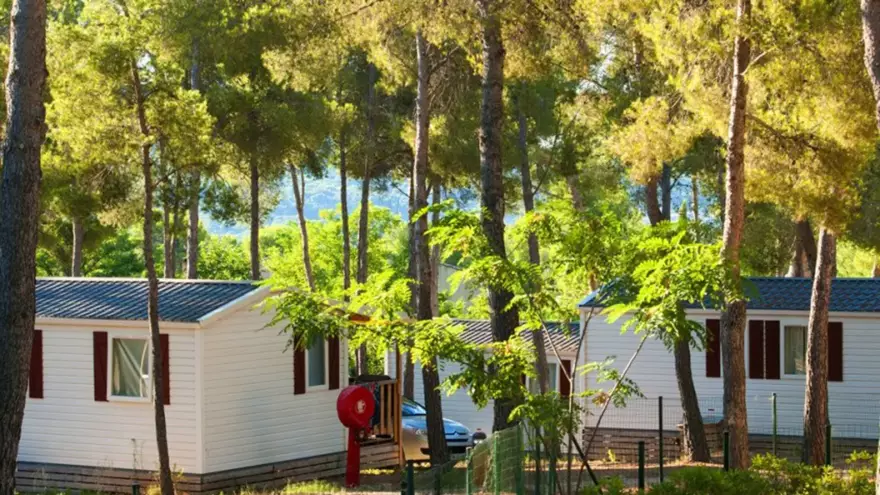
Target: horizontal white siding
x=67, y=426
x=251, y=416
x=459, y=406
x=854, y=404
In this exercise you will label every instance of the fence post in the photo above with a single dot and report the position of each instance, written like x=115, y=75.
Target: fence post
x=135, y=488
x=828, y=444
x=773, y=403
x=641, y=465
x=407, y=482
x=469, y=471
x=496, y=464
x=521, y=461
x=660, y=431
x=537, y=463
x=726, y=447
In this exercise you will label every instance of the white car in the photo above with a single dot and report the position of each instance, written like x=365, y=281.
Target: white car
x=415, y=435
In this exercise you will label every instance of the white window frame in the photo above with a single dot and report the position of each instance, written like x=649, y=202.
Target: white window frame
x=553, y=386
x=782, y=347
x=111, y=336
x=326, y=385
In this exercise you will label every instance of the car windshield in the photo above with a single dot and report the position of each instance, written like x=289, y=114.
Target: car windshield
x=411, y=408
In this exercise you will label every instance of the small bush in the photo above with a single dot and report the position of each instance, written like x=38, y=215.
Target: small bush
x=702, y=480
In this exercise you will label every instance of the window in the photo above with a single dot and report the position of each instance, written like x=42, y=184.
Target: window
x=130, y=368
x=552, y=377
x=316, y=363
x=795, y=350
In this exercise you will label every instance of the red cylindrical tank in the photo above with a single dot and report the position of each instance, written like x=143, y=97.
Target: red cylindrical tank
x=355, y=407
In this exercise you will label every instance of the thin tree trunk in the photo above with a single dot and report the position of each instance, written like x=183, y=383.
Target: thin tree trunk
x=652, y=205
x=343, y=206
x=364, y=220
x=430, y=373
x=816, y=396
x=413, y=274
x=166, y=484
x=78, y=237
x=577, y=199
x=808, y=243
x=695, y=191
x=19, y=220
x=167, y=248
x=666, y=187
x=871, y=38
x=192, y=237
x=299, y=191
x=798, y=265
x=502, y=320
x=875, y=272
x=255, y=219
x=175, y=240
x=695, y=448
x=541, y=368
x=733, y=318
x=435, y=253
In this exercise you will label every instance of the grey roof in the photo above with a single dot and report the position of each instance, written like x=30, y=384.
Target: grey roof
x=480, y=332
x=851, y=295
x=126, y=299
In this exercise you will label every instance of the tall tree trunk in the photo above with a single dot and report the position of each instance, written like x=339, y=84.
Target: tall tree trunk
x=175, y=240
x=666, y=187
x=166, y=484
x=875, y=272
x=255, y=218
x=733, y=318
x=502, y=320
x=803, y=260
x=652, y=205
x=364, y=220
x=871, y=37
x=413, y=274
x=19, y=220
x=299, y=191
x=695, y=448
x=192, y=237
x=695, y=192
x=816, y=396
x=430, y=372
x=343, y=206
x=577, y=199
x=167, y=248
x=541, y=368
x=78, y=237
x=435, y=253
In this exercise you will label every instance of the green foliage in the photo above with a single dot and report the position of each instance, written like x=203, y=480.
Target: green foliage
x=223, y=258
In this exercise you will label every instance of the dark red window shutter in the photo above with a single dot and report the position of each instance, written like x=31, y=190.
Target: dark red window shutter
x=771, y=343
x=756, y=349
x=299, y=367
x=564, y=380
x=35, y=381
x=166, y=369
x=99, y=352
x=713, y=348
x=835, y=351
x=333, y=362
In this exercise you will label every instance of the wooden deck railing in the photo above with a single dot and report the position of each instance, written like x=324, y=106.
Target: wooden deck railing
x=388, y=408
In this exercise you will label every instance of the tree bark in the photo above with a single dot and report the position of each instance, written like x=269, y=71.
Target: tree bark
x=871, y=38
x=175, y=240
x=577, y=199
x=19, y=220
x=364, y=220
x=695, y=192
x=166, y=483
x=343, y=206
x=733, y=318
x=167, y=247
x=299, y=191
x=652, y=205
x=875, y=272
x=816, y=396
x=435, y=253
x=503, y=321
x=430, y=374
x=255, y=218
x=192, y=237
x=808, y=243
x=542, y=371
x=666, y=188
x=77, y=247
x=413, y=274
x=695, y=448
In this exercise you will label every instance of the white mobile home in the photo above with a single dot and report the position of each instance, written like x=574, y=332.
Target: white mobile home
x=775, y=345
x=240, y=410
x=460, y=407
